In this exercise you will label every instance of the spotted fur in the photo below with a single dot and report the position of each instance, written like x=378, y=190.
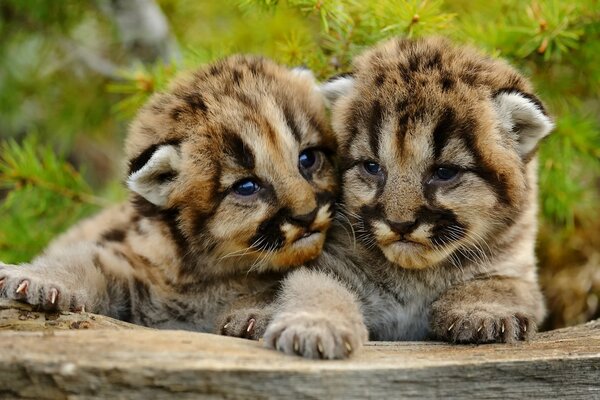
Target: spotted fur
x=451, y=259
x=187, y=245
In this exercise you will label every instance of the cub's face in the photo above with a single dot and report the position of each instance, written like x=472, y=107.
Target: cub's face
x=435, y=143
x=238, y=159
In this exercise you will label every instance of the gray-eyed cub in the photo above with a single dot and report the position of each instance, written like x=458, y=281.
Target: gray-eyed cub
x=438, y=148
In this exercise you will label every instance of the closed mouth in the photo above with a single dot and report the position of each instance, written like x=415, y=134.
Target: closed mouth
x=403, y=243
x=307, y=234
x=307, y=237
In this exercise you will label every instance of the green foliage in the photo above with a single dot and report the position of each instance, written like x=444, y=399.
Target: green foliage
x=45, y=195
x=47, y=87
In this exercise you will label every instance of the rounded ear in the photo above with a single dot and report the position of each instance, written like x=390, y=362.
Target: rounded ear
x=152, y=173
x=336, y=87
x=524, y=115
x=304, y=73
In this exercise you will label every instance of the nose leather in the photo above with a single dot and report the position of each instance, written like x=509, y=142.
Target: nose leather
x=304, y=220
x=402, y=228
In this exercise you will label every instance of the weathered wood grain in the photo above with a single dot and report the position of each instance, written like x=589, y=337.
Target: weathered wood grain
x=150, y=364
x=21, y=317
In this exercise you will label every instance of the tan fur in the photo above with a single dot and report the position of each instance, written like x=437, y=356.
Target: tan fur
x=451, y=259
x=188, y=246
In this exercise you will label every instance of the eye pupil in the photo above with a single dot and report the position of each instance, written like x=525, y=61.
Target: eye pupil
x=372, y=167
x=246, y=187
x=445, y=173
x=307, y=159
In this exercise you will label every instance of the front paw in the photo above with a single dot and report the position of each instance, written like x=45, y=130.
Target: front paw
x=247, y=323
x=482, y=326
x=29, y=285
x=315, y=335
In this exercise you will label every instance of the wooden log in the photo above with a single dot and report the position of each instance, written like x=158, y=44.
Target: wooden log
x=119, y=362
x=22, y=317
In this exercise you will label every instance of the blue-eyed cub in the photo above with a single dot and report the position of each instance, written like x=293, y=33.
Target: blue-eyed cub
x=437, y=145
x=231, y=183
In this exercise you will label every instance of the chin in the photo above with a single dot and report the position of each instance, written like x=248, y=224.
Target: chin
x=411, y=255
x=300, y=251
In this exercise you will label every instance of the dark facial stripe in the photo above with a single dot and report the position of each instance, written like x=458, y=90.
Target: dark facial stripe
x=435, y=216
x=445, y=226
x=446, y=125
x=292, y=123
x=325, y=197
x=485, y=171
x=138, y=162
x=402, y=129
x=374, y=126
x=268, y=234
x=372, y=211
x=236, y=148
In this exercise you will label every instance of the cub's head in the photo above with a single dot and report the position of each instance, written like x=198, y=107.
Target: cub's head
x=236, y=159
x=437, y=145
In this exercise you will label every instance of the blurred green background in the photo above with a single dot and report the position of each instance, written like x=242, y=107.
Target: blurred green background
x=73, y=73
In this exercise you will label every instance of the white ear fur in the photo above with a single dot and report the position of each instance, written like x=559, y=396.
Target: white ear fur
x=147, y=180
x=522, y=115
x=303, y=73
x=337, y=87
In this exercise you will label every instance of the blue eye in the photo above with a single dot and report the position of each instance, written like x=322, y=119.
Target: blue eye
x=307, y=159
x=445, y=173
x=372, y=167
x=246, y=187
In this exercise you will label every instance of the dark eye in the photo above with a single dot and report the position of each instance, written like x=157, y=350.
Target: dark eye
x=445, y=173
x=307, y=159
x=372, y=167
x=246, y=187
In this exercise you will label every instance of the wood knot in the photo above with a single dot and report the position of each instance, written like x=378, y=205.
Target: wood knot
x=80, y=325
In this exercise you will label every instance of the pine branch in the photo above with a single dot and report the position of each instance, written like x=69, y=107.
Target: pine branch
x=45, y=195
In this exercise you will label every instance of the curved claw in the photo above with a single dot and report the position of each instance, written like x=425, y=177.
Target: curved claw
x=348, y=347
x=320, y=349
x=53, y=295
x=251, y=323
x=22, y=288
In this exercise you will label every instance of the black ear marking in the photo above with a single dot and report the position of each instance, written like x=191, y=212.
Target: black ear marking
x=340, y=75
x=154, y=171
x=138, y=162
x=337, y=86
x=528, y=96
x=524, y=115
